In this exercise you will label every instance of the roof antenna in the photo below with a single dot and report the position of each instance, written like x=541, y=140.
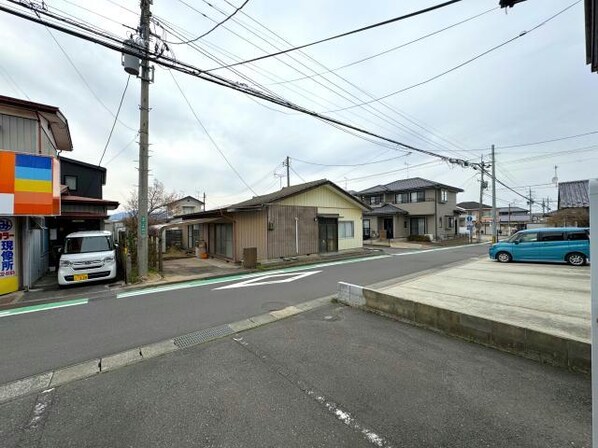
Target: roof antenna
x=555, y=179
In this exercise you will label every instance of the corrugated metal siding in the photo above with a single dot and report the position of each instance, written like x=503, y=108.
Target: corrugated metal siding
x=329, y=201
x=18, y=134
x=281, y=237
x=251, y=229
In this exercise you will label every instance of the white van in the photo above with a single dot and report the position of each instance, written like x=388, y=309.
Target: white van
x=87, y=257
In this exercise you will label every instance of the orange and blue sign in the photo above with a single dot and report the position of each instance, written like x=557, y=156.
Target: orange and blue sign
x=29, y=185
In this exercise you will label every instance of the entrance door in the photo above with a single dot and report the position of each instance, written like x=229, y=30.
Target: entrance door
x=388, y=228
x=328, y=234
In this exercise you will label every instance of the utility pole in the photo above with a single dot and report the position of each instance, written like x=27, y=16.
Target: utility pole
x=530, y=204
x=479, y=220
x=288, y=165
x=204, y=201
x=142, y=246
x=494, y=217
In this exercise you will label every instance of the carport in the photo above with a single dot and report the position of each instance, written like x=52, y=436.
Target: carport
x=190, y=238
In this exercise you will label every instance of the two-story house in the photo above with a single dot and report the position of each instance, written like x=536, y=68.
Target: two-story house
x=406, y=207
x=31, y=135
x=82, y=204
x=184, y=206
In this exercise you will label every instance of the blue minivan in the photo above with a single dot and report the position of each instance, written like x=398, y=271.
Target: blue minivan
x=555, y=244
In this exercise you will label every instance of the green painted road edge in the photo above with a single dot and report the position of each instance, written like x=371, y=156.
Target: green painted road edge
x=43, y=307
x=213, y=281
x=86, y=369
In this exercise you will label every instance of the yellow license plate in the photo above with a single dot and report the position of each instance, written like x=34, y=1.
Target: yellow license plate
x=79, y=277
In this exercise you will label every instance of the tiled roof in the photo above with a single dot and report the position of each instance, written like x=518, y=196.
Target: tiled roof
x=386, y=209
x=574, y=194
x=472, y=205
x=292, y=191
x=414, y=183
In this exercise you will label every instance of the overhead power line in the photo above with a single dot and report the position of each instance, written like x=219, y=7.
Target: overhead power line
x=390, y=50
x=168, y=62
x=337, y=36
x=210, y=137
x=350, y=165
x=541, y=142
x=462, y=64
x=98, y=99
x=120, y=104
x=226, y=19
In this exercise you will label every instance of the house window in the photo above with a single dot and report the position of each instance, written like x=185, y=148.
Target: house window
x=366, y=229
x=413, y=196
x=188, y=209
x=402, y=198
x=345, y=229
x=418, y=226
x=375, y=200
x=450, y=222
x=443, y=196
x=417, y=196
x=71, y=182
x=224, y=240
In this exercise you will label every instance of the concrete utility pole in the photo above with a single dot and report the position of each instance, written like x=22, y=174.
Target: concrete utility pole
x=530, y=204
x=288, y=165
x=494, y=217
x=479, y=221
x=142, y=199
x=204, y=201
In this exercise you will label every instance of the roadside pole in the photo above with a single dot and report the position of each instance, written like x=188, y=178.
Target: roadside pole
x=494, y=225
x=288, y=163
x=594, y=283
x=142, y=196
x=478, y=223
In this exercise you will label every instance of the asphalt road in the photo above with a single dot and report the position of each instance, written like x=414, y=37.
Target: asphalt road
x=331, y=377
x=46, y=340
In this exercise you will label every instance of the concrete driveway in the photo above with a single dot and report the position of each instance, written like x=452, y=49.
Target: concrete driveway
x=549, y=298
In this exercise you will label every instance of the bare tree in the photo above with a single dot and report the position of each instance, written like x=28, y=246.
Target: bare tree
x=570, y=217
x=158, y=198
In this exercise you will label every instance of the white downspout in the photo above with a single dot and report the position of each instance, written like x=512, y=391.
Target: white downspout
x=297, y=235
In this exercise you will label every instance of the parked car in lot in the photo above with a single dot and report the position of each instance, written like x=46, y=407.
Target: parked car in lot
x=87, y=257
x=554, y=244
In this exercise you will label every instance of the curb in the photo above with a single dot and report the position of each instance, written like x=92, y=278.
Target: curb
x=86, y=369
x=538, y=346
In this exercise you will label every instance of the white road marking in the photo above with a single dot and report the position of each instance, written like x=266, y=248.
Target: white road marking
x=266, y=280
x=437, y=249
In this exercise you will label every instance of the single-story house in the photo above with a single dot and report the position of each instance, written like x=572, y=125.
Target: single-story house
x=309, y=218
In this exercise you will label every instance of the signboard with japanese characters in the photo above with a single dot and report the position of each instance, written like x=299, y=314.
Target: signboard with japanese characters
x=9, y=280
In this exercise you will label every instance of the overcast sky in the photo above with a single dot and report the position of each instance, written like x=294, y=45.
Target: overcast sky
x=536, y=88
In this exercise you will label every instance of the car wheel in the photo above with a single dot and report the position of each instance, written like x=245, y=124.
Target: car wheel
x=576, y=259
x=504, y=257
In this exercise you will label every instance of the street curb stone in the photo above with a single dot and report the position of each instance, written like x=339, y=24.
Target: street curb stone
x=76, y=372
x=59, y=377
x=543, y=347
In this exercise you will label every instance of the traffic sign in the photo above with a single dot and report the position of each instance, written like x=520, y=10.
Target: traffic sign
x=469, y=218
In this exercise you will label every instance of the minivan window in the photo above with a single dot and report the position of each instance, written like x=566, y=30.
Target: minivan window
x=552, y=236
x=578, y=236
x=85, y=244
x=530, y=237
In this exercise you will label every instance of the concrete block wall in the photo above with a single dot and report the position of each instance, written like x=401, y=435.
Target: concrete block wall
x=543, y=347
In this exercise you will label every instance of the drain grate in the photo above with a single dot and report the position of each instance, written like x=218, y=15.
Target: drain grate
x=198, y=337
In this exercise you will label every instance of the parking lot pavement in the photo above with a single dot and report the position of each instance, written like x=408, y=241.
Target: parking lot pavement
x=334, y=376
x=549, y=298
